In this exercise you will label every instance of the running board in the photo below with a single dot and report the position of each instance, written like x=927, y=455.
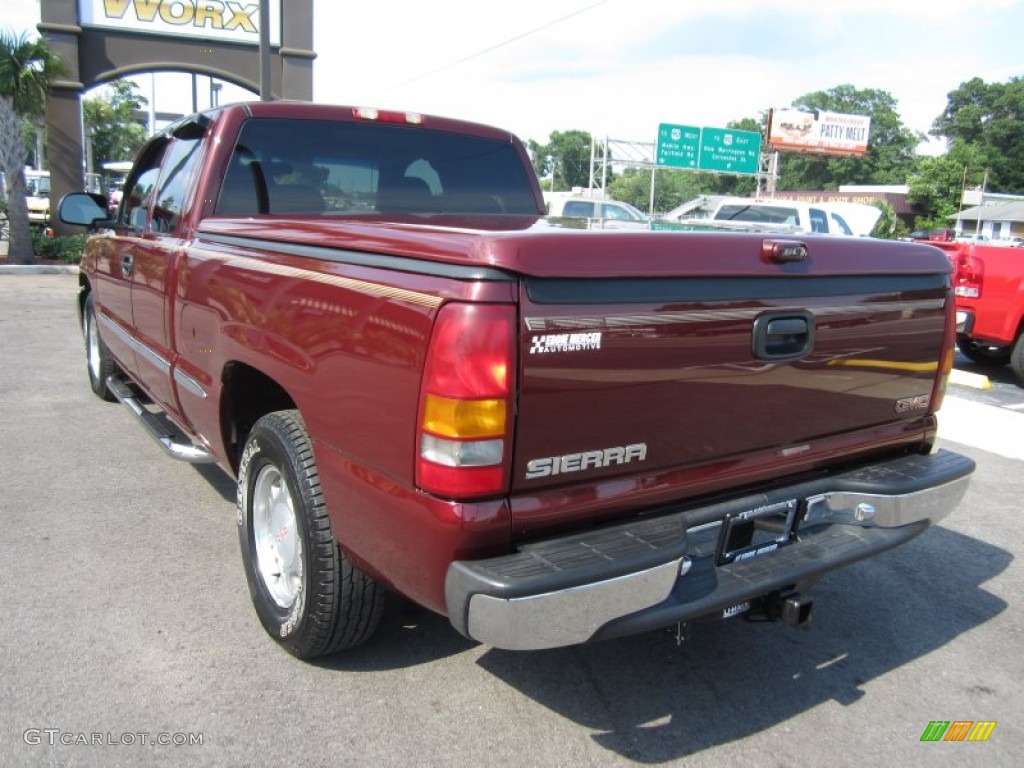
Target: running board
x=175, y=444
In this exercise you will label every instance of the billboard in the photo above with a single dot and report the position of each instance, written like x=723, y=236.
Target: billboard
x=819, y=131
x=233, y=22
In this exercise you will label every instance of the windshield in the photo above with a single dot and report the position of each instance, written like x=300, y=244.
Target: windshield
x=37, y=186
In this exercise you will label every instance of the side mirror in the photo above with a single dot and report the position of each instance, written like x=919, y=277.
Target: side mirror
x=85, y=209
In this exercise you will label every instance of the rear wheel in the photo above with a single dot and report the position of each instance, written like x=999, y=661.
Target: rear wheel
x=983, y=354
x=1017, y=359
x=96, y=356
x=310, y=598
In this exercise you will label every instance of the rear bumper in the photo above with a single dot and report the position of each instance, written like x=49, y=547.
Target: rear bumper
x=964, y=322
x=696, y=562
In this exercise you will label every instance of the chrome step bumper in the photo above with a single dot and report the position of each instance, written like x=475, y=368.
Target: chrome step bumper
x=682, y=565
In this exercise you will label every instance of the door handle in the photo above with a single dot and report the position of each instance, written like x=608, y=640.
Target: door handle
x=126, y=265
x=783, y=336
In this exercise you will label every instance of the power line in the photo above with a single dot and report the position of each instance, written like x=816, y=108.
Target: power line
x=502, y=44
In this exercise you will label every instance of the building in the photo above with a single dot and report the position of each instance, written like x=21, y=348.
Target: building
x=999, y=217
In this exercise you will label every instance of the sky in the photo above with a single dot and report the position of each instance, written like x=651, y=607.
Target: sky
x=619, y=68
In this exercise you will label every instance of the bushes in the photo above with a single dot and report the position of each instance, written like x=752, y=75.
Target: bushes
x=64, y=248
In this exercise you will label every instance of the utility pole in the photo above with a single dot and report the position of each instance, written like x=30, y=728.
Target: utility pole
x=977, y=222
x=266, y=93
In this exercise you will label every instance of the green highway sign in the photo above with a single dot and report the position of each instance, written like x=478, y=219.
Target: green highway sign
x=678, y=146
x=729, y=151
x=708, y=149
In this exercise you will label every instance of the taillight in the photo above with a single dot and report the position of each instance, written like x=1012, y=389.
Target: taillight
x=465, y=416
x=946, y=355
x=968, y=276
x=388, y=116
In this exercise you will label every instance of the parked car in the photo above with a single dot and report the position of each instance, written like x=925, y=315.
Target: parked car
x=588, y=208
x=934, y=235
x=549, y=435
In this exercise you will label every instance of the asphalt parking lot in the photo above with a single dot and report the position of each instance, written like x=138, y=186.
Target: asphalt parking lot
x=128, y=622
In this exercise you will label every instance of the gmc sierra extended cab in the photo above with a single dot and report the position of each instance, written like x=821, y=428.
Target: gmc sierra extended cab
x=549, y=434
x=989, y=288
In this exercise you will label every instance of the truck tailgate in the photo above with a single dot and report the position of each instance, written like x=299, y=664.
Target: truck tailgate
x=632, y=375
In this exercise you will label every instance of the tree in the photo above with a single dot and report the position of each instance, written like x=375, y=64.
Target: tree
x=110, y=121
x=989, y=117
x=891, y=154
x=888, y=225
x=938, y=183
x=566, y=155
x=27, y=67
x=671, y=188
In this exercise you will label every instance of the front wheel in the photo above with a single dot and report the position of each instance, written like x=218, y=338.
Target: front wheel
x=309, y=596
x=97, y=358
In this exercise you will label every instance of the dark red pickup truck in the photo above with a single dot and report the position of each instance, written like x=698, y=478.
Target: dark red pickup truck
x=549, y=433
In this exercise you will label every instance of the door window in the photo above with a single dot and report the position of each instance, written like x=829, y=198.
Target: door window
x=139, y=188
x=175, y=183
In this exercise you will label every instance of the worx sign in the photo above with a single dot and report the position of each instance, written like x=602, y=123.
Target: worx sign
x=104, y=40
x=236, y=21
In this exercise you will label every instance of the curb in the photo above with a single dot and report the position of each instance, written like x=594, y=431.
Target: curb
x=38, y=269
x=973, y=380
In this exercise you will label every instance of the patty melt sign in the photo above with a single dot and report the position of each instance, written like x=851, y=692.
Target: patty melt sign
x=819, y=131
x=236, y=22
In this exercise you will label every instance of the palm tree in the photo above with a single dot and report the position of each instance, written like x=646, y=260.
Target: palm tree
x=27, y=67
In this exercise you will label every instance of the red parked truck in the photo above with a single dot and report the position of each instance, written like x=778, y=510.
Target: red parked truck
x=989, y=288
x=548, y=433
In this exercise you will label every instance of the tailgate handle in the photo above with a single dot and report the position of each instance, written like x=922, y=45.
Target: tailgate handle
x=783, y=337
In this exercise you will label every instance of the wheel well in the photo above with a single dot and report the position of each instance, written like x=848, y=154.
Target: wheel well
x=247, y=395
x=84, y=289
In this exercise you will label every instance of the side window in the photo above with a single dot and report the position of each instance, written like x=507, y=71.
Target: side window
x=841, y=225
x=138, y=190
x=175, y=183
x=583, y=208
x=819, y=221
x=609, y=211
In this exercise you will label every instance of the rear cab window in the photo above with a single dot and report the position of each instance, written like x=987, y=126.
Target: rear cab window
x=580, y=208
x=341, y=168
x=767, y=214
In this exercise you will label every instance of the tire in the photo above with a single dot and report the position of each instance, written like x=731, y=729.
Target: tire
x=1017, y=358
x=308, y=595
x=983, y=354
x=97, y=358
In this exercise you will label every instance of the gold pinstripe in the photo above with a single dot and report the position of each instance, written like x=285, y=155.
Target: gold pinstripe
x=349, y=283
